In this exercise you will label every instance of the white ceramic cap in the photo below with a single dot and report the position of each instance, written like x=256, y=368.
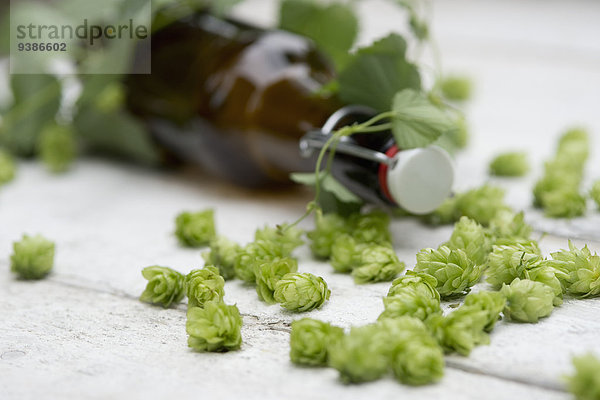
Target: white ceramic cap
x=421, y=179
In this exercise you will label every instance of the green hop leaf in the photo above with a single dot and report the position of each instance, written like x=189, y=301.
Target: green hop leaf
x=584, y=384
x=195, y=229
x=301, y=291
x=378, y=264
x=287, y=237
x=310, y=341
x=374, y=75
x=527, y=301
x=461, y=330
x=328, y=228
x=457, y=88
x=491, y=302
x=222, y=255
x=204, y=285
x=57, y=147
x=333, y=27
x=216, y=327
x=165, y=286
x=7, y=167
x=255, y=253
x=32, y=258
x=454, y=270
x=362, y=355
x=417, y=122
x=415, y=356
x=510, y=164
x=469, y=236
x=413, y=295
x=269, y=273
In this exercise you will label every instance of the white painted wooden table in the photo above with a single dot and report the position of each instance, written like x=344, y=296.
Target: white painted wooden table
x=82, y=333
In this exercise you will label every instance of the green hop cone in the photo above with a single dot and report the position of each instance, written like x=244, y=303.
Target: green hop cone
x=269, y=273
x=510, y=164
x=222, y=255
x=362, y=355
x=461, y=330
x=32, y=258
x=412, y=295
x=216, y=327
x=165, y=286
x=253, y=254
x=550, y=276
x=328, y=228
x=581, y=270
x=508, y=225
x=564, y=203
x=346, y=253
x=301, y=291
x=310, y=340
x=456, y=88
x=469, y=236
x=378, y=264
x=527, y=301
x=373, y=227
x=7, y=167
x=445, y=214
x=204, y=285
x=287, y=237
x=454, y=271
x=491, y=302
x=415, y=356
x=594, y=192
x=481, y=204
x=507, y=262
x=584, y=384
x=195, y=229
x=57, y=147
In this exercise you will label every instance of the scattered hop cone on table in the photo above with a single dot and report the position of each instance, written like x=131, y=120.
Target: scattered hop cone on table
x=510, y=164
x=195, y=229
x=507, y=225
x=255, y=253
x=527, y=301
x=415, y=356
x=328, y=228
x=287, y=237
x=481, y=204
x=412, y=295
x=310, y=341
x=491, y=302
x=378, y=264
x=32, y=258
x=222, y=255
x=57, y=147
x=594, y=192
x=454, y=271
x=7, y=167
x=165, y=286
x=373, y=227
x=216, y=327
x=269, y=273
x=203, y=285
x=362, y=355
x=301, y=292
x=470, y=236
x=581, y=269
x=346, y=253
x=584, y=384
x=461, y=330
x=507, y=262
